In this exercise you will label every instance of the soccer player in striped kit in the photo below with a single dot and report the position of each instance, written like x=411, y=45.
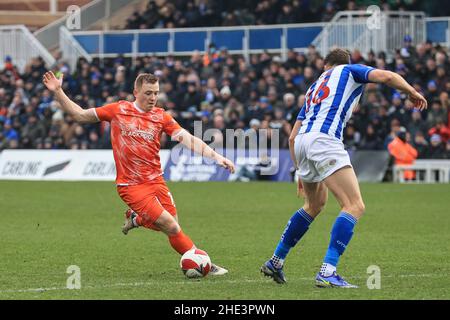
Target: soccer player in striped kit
x=322, y=163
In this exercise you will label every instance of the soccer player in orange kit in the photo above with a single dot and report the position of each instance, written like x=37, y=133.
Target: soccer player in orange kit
x=136, y=129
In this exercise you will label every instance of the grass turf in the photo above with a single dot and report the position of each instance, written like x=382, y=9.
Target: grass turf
x=47, y=226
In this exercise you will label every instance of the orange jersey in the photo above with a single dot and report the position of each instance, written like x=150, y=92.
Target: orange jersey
x=135, y=139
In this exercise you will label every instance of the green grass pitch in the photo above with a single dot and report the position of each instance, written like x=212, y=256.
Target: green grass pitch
x=47, y=226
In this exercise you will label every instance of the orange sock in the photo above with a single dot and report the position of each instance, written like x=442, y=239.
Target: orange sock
x=181, y=242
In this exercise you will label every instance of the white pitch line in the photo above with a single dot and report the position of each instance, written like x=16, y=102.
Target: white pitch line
x=189, y=282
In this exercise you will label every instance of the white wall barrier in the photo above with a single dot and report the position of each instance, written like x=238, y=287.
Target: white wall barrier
x=69, y=165
x=427, y=171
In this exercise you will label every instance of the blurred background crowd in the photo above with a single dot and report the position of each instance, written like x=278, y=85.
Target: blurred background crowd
x=212, y=13
x=225, y=91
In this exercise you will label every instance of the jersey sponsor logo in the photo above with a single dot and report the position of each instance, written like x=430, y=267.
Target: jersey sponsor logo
x=129, y=131
x=22, y=168
x=156, y=117
x=99, y=168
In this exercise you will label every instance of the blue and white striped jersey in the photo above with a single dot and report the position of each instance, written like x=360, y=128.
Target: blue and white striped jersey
x=329, y=102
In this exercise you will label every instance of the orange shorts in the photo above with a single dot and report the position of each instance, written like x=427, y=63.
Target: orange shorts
x=148, y=200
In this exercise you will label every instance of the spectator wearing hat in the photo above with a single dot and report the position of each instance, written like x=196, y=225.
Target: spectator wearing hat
x=408, y=51
x=437, y=147
x=225, y=95
x=252, y=133
x=421, y=145
x=397, y=111
x=264, y=107
x=9, y=132
x=403, y=153
x=290, y=107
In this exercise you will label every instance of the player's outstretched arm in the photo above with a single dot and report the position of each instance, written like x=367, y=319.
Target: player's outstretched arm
x=396, y=81
x=200, y=147
x=79, y=114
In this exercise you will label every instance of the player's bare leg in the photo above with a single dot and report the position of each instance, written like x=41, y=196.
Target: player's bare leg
x=316, y=195
x=344, y=185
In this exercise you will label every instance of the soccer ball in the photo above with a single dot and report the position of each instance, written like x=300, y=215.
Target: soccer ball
x=195, y=263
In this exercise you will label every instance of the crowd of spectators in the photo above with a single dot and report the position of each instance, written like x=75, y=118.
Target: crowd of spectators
x=225, y=91
x=209, y=13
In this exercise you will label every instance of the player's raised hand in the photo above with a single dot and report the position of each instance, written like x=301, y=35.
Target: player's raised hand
x=418, y=100
x=51, y=81
x=226, y=163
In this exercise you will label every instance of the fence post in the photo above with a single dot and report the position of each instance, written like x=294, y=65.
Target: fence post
x=101, y=48
x=134, y=49
x=448, y=33
x=207, y=40
x=107, y=15
x=171, y=46
x=284, y=44
x=246, y=45
x=53, y=6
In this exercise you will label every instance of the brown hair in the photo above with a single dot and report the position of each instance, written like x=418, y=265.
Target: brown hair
x=145, y=78
x=337, y=56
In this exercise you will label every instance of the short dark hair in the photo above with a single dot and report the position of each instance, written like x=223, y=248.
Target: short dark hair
x=145, y=78
x=337, y=56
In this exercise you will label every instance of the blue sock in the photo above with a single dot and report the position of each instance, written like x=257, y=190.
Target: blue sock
x=341, y=234
x=295, y=229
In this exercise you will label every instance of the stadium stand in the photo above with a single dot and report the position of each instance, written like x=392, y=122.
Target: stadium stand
x=209, y=13
x=228, y=91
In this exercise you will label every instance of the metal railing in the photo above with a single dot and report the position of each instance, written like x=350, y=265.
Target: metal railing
x=243, y=40
x=359, y=30
x=88, y=15
x=426, y=171
x=71, y=49
x=19, y=43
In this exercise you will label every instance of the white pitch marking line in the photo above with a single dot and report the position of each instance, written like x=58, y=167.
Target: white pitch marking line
x=150, y=283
